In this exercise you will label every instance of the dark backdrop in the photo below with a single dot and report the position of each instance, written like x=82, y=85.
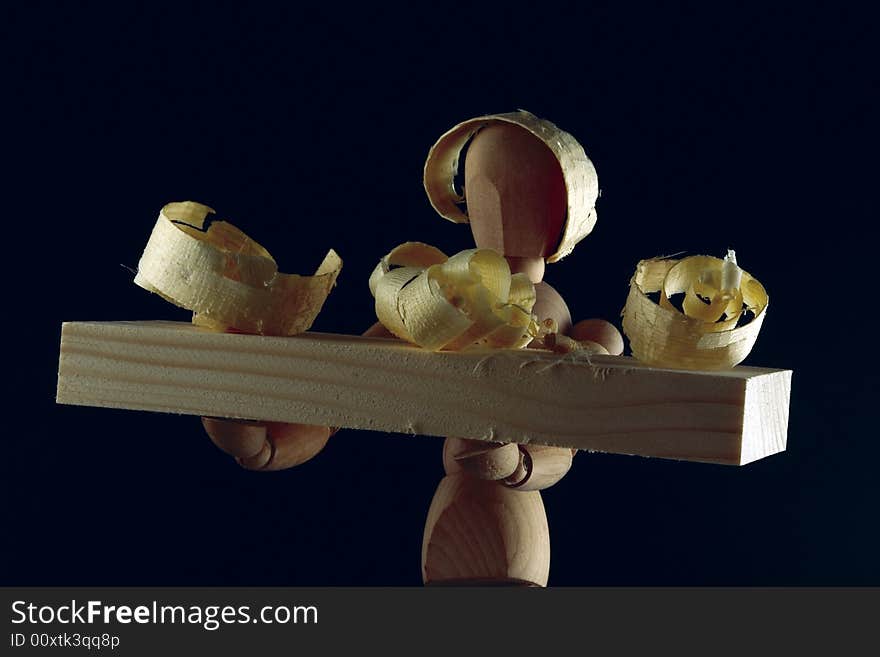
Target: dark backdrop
x=308, y=128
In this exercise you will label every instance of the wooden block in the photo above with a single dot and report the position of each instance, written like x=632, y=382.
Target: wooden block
x=607, y=404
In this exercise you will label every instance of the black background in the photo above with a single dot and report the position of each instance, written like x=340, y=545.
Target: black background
x=308, y=128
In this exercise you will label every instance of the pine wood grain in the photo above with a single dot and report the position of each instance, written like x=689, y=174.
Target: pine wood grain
x=609, y=404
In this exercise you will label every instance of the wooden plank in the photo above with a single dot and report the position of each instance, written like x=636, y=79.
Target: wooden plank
x=608, y=404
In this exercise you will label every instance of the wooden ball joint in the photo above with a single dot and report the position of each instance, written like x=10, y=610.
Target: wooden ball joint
x=487, y=523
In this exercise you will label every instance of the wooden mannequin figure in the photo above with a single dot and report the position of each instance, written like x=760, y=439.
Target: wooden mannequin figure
x=486, y=523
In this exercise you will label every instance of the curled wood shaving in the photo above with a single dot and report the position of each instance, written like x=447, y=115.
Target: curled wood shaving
x=470, y=299
x=704, y=334
x=227, y=279
x=581, y=180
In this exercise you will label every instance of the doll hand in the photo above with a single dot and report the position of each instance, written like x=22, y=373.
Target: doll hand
x=594, y=336
x=598, y=333
x=267, y=445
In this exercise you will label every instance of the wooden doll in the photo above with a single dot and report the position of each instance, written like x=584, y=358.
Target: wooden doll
x=528, y=193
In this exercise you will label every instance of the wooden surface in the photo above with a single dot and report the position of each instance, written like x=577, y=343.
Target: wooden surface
x=608, y=404
x=478, y=533
x=515, y=192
